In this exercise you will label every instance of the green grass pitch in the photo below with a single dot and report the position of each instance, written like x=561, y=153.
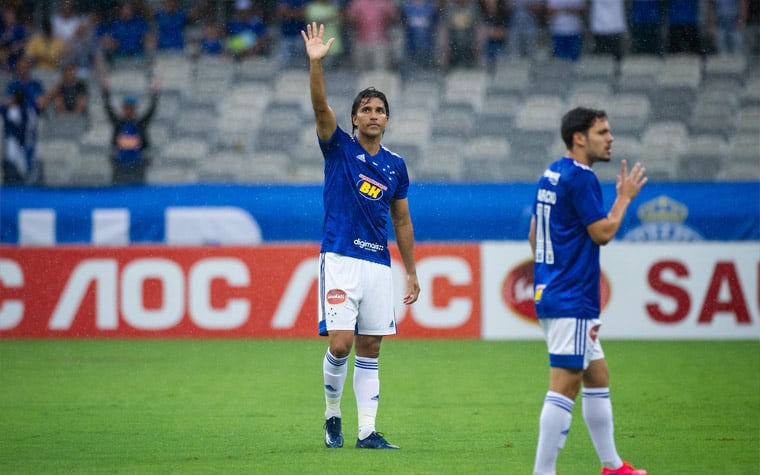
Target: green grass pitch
x=256, y=406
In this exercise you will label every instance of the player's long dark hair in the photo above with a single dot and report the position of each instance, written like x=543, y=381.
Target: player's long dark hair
x=580, y=119
x=365, y=95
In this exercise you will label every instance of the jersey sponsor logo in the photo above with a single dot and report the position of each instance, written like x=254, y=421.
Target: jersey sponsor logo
x=368, y=246
x=361, y=158
x=336, y=296
x=369, y=188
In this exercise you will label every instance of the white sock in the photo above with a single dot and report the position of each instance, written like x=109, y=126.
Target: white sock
x=554, y=424
x=367, y=391
x=597, y=412
x=334, y=370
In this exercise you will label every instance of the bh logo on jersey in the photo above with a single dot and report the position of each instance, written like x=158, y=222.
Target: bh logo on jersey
x=370, y=188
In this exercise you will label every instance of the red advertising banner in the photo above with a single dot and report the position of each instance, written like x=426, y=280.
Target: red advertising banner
x=213, y=292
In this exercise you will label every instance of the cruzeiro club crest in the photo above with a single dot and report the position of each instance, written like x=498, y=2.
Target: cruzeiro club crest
x=662, y=219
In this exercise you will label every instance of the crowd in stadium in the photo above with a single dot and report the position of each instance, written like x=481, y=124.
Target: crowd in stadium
x=57, y=53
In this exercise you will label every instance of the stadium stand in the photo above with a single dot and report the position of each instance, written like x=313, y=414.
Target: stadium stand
x=687, y=117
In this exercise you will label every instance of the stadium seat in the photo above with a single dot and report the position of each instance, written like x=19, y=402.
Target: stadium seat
x=222, y=167
x=60, y=157
x=256, y=69
x=175, y=71
x=639, y=74
x=701, y=158
x=594, y=99
x=455, y=119
x=94, y=170
x=419, y=94
x=662, y=142
x=409, y=126
x=744, y=147
x=386, y=81
x=742, y=160
x=63, y=126
x=164, y=175
x=498, y=114
x=552, y=76
x=628, y=113
x=443, y=161
x=183, y=151
x=128, y=81
x=748, y=120
x=465, y=87
x=487, y=159
x=512, y=76
x=97, y=139
x=681, y=70
x=750, y=94
x=672, y=103
x=596, y=67
x=267, y=167
x=725, y=66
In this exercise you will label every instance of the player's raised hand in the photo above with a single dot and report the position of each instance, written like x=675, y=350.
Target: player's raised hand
x=313, y=38
x=629, y=184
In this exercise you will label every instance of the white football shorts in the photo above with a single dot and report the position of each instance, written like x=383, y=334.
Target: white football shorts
x=355, y=295
x=572, y=342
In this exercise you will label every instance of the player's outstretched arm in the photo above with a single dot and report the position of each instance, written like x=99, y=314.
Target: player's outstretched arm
x=317, y=49
x=628, y=187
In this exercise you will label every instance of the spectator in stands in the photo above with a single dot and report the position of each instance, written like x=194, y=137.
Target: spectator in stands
x=684, y=35
x=327, y=13
x=246, y=32
x=566, y=27
x=646, y=18
x=420, y=21
x=130, y=142
x=45, y=50
x=129, y=35
x=20, y=118
x=84, y=50
x=726, y=20
x=526, y=17
x=370, y=22
x=752, y=28
x=291, y=15
x=34, y=91
x=171, y=22
x=65, y=21
x=495, y=22
x=461, y=22
x=607, y=21
x=211, y=42
x=13, y=39
x=70, y=95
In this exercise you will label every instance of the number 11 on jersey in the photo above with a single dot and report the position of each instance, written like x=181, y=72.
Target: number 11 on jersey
x=544, y=249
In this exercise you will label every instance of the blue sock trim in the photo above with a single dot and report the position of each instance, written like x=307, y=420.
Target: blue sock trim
x=335, y=361
x=560, y=401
